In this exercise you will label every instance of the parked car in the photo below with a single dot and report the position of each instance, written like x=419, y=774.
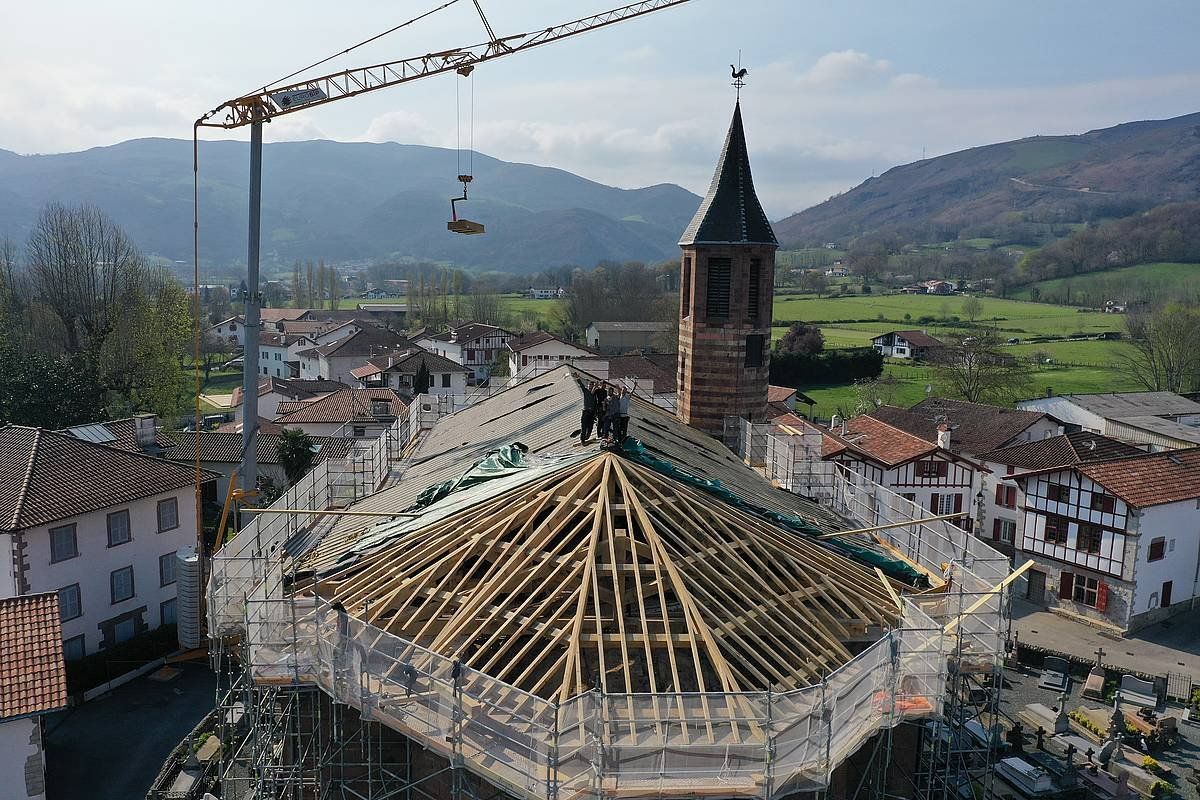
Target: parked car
x=1014, y=340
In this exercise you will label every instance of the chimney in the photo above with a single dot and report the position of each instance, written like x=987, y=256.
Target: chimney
x=835, y=421
x=144, y=427
x=943, y=436
x=1049, y=391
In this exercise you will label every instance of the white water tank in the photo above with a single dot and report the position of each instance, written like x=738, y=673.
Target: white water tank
x=187, y=603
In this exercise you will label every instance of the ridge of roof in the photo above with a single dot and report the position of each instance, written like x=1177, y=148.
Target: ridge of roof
x=730, y=212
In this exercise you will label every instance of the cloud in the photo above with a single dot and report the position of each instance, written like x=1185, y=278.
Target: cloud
x=637, y=56
x=406, y=127
x=845, y=66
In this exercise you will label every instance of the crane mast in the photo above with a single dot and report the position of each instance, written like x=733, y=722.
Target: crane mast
x=274, y=101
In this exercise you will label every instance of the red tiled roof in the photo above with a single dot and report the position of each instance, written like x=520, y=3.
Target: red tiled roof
x=33, y=678
x=295, y=388
x=779, y=394
x=125, y=433
x=1062, y=451
x=881, y=441
x=277, y=314
x=464, y=334
x=407, y=362
x=1149, y=480
x=975, y=427
x=540, y=337
x=345, y=405
x=47, y=476
x=658, y=367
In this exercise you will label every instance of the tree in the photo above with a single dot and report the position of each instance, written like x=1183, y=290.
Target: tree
x=813, y=283
x=801, y=338
x=484, y=306
x=296, y=453
x=297, y=287
x=213, y=351
x=47, y=391
x=975, y=368
x=870, y=393
x=422, y=380
x=972, y=308
x=1165, y=354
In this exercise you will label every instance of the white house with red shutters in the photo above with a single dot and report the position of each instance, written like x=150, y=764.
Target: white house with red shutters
x=927, y=473
x=1115, y=541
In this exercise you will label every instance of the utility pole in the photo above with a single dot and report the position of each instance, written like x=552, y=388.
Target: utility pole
x=253, y=299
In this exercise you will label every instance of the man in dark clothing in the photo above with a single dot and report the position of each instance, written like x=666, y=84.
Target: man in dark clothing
x=589, y=412
x=612, y=413
x=600, y=400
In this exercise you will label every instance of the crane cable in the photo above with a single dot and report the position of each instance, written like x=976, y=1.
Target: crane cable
x=470, y=126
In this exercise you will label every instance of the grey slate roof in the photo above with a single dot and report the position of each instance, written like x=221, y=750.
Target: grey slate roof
x=730, y=213
x=1062, y=451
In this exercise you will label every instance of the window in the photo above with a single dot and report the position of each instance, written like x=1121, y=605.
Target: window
x=1103, y=503
x=909, y=496
x=1056, y=530
x=73, y=648
x=1086, y=590
x=166, y=612
x=1006, y=496
x=1004, y=530
x=166, y=569
x=1056, y=493
x=70, y=604
x=946, y=503
x=380, y=408
x=753, y=289
x=720, y=272
x=1158, y=548
x=120, y=583
x=360, y=431
x=1088, y=539
x=118, y=527
x=168, y=514
x=62, y=543
x=446, y=380
x=124, y=630
x=685, y=284
x=933, y=469
x=754, y=350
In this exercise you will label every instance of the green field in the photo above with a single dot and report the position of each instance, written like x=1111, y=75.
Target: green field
x=1093, y=288
x=522, y=312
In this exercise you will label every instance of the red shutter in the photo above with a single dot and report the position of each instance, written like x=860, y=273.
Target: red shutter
x=995, y=530
x=1102, y=596
x=1010, y=469
x=1066, y=586
x=957, y=503
x=933, y=502
x=999, y=495
x=1011, y=497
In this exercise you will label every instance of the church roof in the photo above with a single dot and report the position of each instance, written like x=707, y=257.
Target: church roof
x=730, y=213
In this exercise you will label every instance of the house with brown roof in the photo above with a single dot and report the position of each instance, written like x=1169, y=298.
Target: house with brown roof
x=474, y=345
x=356, y=413
x=976, y=427
x=399, y=370
x=334, y=361
x=1114, y=541
x=542, y=351
x=649, y=375
x=1001, y=517
x=272, y=391
x=916, y=345
x=33, y=682
x=929, y=474
x=97, y=524
x=278, y=353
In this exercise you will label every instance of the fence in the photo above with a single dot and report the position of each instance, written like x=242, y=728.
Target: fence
x=752, y=744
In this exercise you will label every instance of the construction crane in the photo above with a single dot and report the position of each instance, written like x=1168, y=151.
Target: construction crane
x=271, y=101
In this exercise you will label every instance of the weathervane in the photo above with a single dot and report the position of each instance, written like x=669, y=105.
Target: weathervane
x=739, y=76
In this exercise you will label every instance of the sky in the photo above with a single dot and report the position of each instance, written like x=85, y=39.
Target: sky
x=836, y=92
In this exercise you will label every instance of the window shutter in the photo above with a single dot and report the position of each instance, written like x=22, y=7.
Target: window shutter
x=1102, y=596
x=933, y=502
x=995, y=530
x=1011, y=497
x=999, y=495
x=957, y=503
x=1066, y=585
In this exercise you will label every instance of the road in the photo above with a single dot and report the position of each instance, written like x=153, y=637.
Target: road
x=112, y=748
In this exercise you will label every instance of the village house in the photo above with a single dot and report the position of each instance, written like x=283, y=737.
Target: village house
x=232, y=330
x=539, y=293
x=540, y=352
x=928, y=474
x=97, y=524
x=1114, y=541
x=474, y=345
x=399, y=370
x=272, y=391
x=1002, y=514
x=916, y=345
x=33, y=682
x=278, y=353
x=649, y=375
x=221, y=454
x=1159, y=420
x=139, y=434
x=335, y=361
x=356, y=413
x=621, y=337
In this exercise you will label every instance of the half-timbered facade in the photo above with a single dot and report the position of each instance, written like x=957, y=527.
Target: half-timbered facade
x=927, y=474
x=1117, y=540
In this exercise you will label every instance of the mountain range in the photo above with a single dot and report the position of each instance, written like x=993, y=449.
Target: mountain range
x=346, y=201
x=1111, y=172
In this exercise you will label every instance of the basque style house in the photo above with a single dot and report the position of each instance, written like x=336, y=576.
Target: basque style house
x=399, y=371
x=916, y=345
x=474, y=345
x=1117, y=540
x=540, y=352
x=98, y=525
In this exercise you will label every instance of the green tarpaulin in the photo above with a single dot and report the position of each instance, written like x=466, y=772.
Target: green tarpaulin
x=497, y=463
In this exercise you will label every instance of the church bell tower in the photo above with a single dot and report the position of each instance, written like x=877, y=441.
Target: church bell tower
x=726, y=281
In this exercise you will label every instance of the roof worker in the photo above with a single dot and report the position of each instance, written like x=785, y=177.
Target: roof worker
x=623, y=415
x=588, y=419
x=600, y=396
x=612, y=410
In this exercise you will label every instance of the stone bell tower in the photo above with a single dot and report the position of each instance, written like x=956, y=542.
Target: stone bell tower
x=726, y=284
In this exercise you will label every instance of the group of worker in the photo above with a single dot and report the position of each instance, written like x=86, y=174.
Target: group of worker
x=607, y=408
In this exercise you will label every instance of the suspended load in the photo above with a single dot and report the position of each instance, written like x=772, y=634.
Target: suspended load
x=456, y=225
x=464, y=226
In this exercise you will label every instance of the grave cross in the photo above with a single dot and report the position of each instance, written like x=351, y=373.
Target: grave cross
x=1100, y=654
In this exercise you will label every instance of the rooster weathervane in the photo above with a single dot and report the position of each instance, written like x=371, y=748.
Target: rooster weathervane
x=739, y=76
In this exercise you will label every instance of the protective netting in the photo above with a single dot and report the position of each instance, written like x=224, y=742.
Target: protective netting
x=752, y=744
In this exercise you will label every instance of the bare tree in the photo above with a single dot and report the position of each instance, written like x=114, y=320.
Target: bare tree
x=484, y=306
x=972, y=308
x=976, y=368
x=1165, y=354
x=870, y=393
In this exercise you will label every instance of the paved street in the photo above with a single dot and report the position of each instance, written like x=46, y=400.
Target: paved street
x=112, y=748
x=1170, y=646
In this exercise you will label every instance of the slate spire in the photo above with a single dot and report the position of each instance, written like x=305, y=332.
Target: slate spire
x=730, y=213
